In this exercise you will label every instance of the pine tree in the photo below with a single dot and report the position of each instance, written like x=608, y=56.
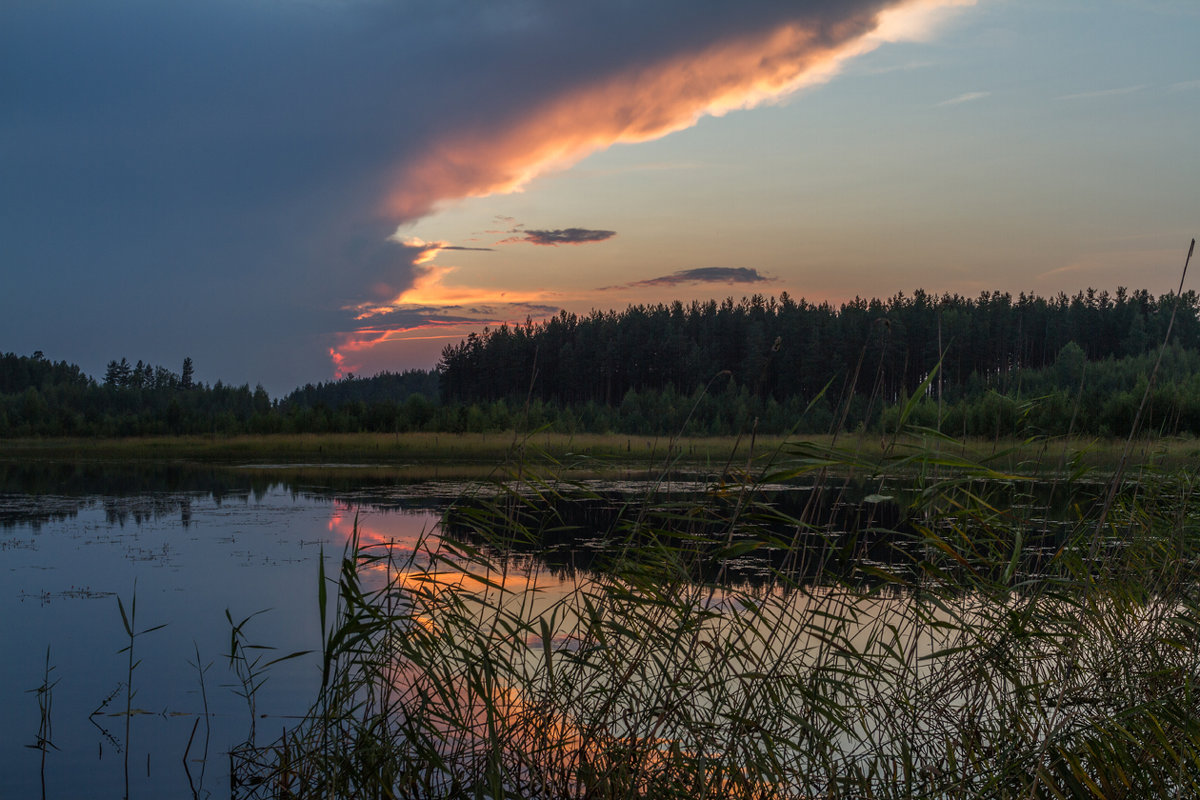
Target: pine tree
x=185, y=377
x=117, y=373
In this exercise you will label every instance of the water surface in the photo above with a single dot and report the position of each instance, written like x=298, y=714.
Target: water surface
x=185, y=548
x=196, y=547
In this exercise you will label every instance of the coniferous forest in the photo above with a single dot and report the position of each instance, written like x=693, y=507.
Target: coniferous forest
x=990, y=365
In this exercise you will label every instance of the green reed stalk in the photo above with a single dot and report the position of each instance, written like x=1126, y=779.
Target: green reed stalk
x=129, y=622
x=45, y=700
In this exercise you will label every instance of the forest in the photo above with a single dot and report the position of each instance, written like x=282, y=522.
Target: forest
x=990, y=365
x=41, y=398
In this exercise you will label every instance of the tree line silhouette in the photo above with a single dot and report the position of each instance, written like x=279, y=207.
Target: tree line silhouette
x=782, y=348
x=792, y=364
x=39, y=397
x=993, y=364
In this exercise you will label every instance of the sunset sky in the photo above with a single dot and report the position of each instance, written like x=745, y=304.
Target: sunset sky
x=287, y=190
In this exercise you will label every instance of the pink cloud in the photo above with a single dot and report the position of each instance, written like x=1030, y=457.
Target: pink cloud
x=648, y=99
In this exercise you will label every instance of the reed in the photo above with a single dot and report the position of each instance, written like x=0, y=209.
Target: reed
x=44, y=742
x=196, y=784
x=250, y=664
x=962, y=645
x=132, y=634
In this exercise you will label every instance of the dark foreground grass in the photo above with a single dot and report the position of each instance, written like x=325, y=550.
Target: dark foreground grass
x=970, y=646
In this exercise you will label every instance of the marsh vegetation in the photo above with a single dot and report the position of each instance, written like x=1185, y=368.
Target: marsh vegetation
x=953, y=636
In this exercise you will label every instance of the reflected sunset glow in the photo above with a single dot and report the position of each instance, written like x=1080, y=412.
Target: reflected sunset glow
x=403, y=535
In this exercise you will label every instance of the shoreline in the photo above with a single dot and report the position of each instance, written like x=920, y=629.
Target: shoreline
x=589, y=452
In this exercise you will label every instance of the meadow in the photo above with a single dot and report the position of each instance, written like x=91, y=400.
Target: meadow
x=599, y=452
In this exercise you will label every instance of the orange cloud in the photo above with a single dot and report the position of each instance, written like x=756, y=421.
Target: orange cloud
x=429, y=290
x=429, y=304
x=364, y=340
x=647, y=101
x=428, y=251
x=340, y=368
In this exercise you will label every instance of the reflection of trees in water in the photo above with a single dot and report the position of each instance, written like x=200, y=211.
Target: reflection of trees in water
x=37, y=493
x=126, y=478
x=844, y=528
x=147, y=508
x=34, y=512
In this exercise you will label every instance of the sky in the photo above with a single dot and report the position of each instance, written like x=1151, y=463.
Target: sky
x=289, y=191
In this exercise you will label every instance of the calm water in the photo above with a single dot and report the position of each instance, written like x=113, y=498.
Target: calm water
x=68, y=551
x=192, y=545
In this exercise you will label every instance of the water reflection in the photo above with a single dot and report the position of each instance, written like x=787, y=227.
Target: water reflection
x=194, y=543
x=199, y=541
x=760, y=691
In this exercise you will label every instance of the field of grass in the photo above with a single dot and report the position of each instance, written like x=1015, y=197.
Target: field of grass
x=420, y=454
x=368, y=447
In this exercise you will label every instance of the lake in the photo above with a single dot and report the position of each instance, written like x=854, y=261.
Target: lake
x=882, y=633
x=180, y=547
x=188, y=546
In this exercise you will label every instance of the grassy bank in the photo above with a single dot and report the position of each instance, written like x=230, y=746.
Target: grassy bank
x=382, y=448
x=415, y=452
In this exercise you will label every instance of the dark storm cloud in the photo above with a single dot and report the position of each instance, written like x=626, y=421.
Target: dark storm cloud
x=218, y=178
x=412, y=317
x=415, y=316
x=701, y=275
x=564, y=236
x=515, y=310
